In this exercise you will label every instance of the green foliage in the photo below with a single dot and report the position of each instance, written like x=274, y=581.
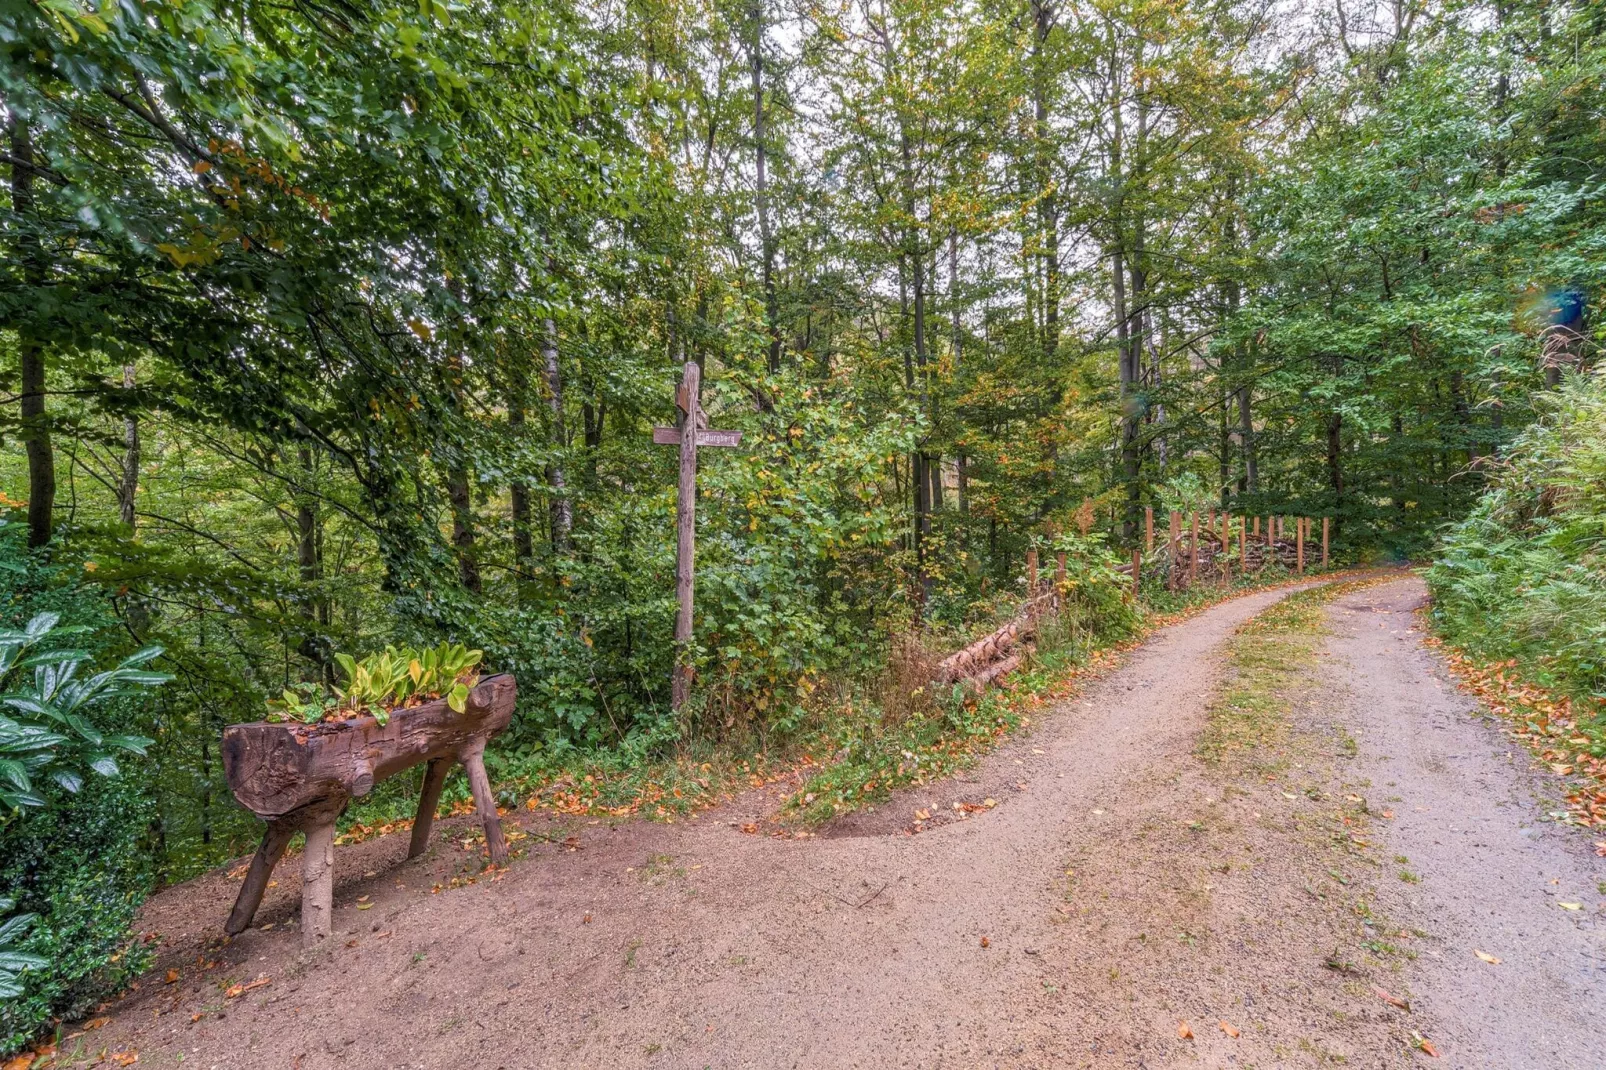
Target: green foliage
x=385, y=681
x=1524, y=576
x=54, y=735
x=77, y=861
x=1096, y=603
x=12, y=961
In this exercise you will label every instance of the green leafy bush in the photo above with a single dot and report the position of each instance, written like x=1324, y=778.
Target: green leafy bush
x=1524, y=576
x=72, y=850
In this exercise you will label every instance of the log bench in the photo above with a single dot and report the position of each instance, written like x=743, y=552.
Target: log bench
x=301, y=777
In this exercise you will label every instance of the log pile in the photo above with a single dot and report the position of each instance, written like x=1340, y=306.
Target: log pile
x=996, y=654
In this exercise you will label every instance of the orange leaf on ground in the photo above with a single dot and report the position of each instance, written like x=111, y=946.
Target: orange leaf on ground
x=1486, y=957
x=1427, y=1047
x=236, y=991
x=1228, y=1028
x=1183, y=1032
x=125, y=1058
x=986, y=942
x=172, y=977
x=1392, y=1001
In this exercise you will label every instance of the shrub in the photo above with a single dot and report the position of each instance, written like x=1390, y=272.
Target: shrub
x=1524, y=575
x=75, y=859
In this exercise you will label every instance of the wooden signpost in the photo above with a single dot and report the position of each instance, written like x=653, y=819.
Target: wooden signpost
x=693, y=420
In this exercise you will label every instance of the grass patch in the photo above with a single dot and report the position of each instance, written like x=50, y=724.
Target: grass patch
x=1267, y=659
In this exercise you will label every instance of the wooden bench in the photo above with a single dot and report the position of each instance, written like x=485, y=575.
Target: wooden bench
x=301, y=777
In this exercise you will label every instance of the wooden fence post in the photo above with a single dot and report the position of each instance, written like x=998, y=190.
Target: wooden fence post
x=1271, y=540
x=1031, y=573
x=1226, y=546
x=1059, y=570
x=1243, y=547
x=1148, y=529
x=1193, y=549
x=1299, y=543
x=1325, y=521
x=1137, y=566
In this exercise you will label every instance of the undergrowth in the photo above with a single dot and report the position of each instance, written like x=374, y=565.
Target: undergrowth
x=1522, y=580
x=860, y=743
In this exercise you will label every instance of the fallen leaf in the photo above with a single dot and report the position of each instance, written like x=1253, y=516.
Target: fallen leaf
x=1228, y=1028
x=195, y=1018
x=236, y=991
x=986, y=942
x=922, y=815
x=1571, y=906
x=125, y=1058
x=586, y=920
x=1425, y=1046
x=1392, y=1001
x=352, y=942
x=172, y=977
x=95, y=1023
x=750, y=828
x=1486, y=957
x=365, y=906
x=21, y=1062
x=362, y=899
x=1183, y=1032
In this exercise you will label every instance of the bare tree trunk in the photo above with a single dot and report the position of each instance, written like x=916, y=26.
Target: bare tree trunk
x=35, y=430
x=561, y=508
x=309, y=563
x=462, y=502
x=128, y=478
x=1047, y=203
x=519, y=490
x=1246, y=440
x=761, y=167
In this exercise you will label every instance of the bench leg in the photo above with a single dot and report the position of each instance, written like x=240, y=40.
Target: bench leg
x=269, y=851
x=473, y=758
x=318, y=882
x=428, y=802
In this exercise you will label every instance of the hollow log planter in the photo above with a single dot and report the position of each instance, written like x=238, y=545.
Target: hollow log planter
x=300, y=778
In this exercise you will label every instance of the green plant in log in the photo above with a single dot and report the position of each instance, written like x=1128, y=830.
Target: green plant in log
x=390, y=679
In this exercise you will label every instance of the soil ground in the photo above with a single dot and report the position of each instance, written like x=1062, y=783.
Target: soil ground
x=1124, y=903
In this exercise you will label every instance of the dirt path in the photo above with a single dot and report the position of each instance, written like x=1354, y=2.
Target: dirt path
x=1119, y=889
x=1490, y=874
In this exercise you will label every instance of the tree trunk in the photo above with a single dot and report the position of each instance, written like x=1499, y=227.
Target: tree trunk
x=561, y=508
x=761, y=169
x=519, y=490
x=1246, y=440
x=1335, y=463
x=128, y=478
x=309, y=563
x=35, y=429
x=462, y=502
x=1047, y=203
